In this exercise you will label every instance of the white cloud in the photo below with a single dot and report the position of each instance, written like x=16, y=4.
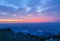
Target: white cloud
x=9, y=5
x=3, y=13
x=45, y=2
x=43, y=9
x=28, y=9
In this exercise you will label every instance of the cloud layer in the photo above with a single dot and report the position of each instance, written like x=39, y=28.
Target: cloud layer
x=29, y=9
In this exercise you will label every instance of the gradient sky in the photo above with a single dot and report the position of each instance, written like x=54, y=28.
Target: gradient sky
x=29, y=10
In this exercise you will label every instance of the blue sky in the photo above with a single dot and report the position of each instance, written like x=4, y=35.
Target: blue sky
x=30, y=9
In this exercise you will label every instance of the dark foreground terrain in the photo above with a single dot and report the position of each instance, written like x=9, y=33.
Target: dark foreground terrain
x=6, y=34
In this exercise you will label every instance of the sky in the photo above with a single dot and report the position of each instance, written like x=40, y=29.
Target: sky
x=29, y=10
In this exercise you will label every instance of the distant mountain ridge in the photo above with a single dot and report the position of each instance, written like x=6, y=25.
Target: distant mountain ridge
x=33, y=28
x=6, y=34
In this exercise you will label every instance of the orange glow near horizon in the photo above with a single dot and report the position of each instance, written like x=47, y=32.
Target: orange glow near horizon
x=25, y=20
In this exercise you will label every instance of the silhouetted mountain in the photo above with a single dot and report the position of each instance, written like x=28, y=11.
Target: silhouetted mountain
x=6, y=34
